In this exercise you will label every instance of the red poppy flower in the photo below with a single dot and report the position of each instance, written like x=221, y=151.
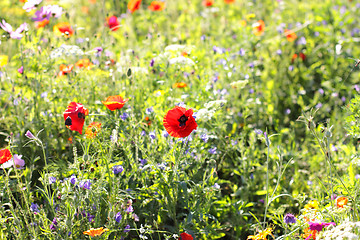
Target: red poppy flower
x=207, y=3
x=259, y=28
x=341, y=202
x=74, y=116
x=157, y=6
x=114, y=102
x=64, y=70
x=5, y=155
x=185, y=236
x=290, y=35
x=63, y=28
x=229, y=1
x=113, y=23
x=179, y=85
x=302, y=56
x=134, y=5
x=84, y=63
x=179, y=122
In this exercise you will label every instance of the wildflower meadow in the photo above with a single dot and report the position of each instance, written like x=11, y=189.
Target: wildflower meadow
x=179, y=119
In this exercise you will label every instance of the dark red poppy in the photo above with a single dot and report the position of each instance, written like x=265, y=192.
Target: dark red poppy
x=5, y=155
x=185, y=236
x=302, y=56
x=113, y=23
x=114, y=102
x=74, y=116
x=179, y=122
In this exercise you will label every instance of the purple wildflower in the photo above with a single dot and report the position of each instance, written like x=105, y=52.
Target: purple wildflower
x=52, y=180
x=204, y=137
x=85, y=184
x=213, y=150
x=34, y=208
x=53, y=224
x=149, y=110
x=73, y=179
x=118, y=217
x=127, y=227
x=152, y=134
x=29, y=135
x=152, y=62
x=289, y=218
x=118, y=169
x=129, y=209
x=42, y=14
x=124, y=116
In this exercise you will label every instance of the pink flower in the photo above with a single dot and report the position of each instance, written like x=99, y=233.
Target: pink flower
x=15, y=161
x=319, y=226
x=31, y=4
x=13, y=34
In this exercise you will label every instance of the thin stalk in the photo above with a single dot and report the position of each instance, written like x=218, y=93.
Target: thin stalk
x=267, y=184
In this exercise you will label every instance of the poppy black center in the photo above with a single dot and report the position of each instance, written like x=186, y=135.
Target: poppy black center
x=68, y=121
x=182, y=120
x=81, y=115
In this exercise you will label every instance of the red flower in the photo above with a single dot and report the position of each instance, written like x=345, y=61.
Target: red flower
x=290, y=35
x=207, y=3
x=229, y=1
x=185, y=236
x=157, y=6
x=84, y=63
x=113, y=23
x=63, y=28
x=74, y=116
x=64, y=70
x=259, y=28
x=114, y=102
x=302, y=56
x=134, y=5
x=179, y=122
x=341, y=202
x=5, y=155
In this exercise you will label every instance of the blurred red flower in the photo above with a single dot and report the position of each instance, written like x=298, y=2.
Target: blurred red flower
x=179, y=122
x=5, y=155
x=134, y=5
x=185, y=236
x=157, y=6
x=114, y=102
x=259, y=28
x=63, y=28
x=290, y=35
x=64, y=70
x=229, y=1
x=207, y=3
x=341, y=202
x=113, y=23
x=84, y=63
x=74, y=116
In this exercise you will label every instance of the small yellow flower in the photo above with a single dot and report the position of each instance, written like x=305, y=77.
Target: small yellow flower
x=94, y=232
x=3, y=60
x=261, y=235
x=250, y=16
x=313, y=204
